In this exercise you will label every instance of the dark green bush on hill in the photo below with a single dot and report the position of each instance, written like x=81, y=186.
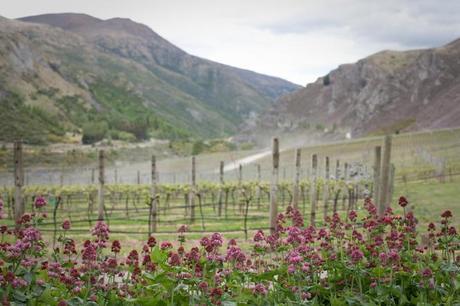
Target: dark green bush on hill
x=94, y=132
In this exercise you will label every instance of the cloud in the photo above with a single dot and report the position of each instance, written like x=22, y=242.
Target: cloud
x=298, y=40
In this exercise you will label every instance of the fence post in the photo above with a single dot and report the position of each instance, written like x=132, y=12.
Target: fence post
x=221, y=191
x=19, y=207
x=345, y=172
x=153, y=208
x=192, y=192
x=259, y=189
x=240, y=174
x=377, y=163
x=138, y=177
x=391, y=183
x=295, y=197
x=385, y=176
x=93, y=175
x=101, y=186
x=274, y=185
x=314, y=190
x=326, y=188
x=337, y=169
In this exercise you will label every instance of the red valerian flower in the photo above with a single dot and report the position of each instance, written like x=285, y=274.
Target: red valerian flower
x=427, y=272
x=174, y=259
x=356, y=255
x=151, y=242
x=352, y=215
x=182, y=229
x=403, y=202
x=260, y=289
x=101, y=231
x=66, y=225
x=446, y=214
x=166, y=245
x=40, y=202
x=259, y=236
x=116, y=246
x=133, y=258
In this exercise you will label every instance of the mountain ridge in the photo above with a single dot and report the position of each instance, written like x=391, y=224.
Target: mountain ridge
x=76, y=69
x=389, y=91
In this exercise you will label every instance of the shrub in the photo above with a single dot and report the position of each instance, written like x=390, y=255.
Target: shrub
x=94, y=132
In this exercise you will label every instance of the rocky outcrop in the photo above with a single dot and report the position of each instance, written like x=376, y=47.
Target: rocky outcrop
x=387, y=91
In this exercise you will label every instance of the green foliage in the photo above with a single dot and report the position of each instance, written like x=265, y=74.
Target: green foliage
x=319, y=127
x=121, y=135
x=20, y=121
x=198, y=147
x=246, y=146
x=125, y=111
x=94, y=132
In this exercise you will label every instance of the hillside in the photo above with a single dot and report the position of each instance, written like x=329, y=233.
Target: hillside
x=63, y=72
x=387, y=91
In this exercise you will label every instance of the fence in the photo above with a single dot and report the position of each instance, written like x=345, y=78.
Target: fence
x=242, y=199
x=143, y=209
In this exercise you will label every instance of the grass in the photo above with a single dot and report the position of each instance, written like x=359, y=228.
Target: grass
x=427, y=199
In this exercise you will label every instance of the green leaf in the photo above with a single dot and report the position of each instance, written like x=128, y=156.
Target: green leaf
x=19, y=296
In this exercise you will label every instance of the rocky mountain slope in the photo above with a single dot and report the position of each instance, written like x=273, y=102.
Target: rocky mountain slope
x=62, y=72
x=387, y=91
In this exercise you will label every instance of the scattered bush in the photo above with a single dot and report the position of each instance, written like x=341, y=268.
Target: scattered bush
x=94, y=132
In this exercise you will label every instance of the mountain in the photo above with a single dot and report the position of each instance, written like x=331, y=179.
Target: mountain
x=61, y=74
x=386, y=92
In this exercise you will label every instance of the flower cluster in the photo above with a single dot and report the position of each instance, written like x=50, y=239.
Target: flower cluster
x=351, y=260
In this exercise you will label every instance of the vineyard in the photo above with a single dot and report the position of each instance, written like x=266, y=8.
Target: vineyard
x=305, y=228
x=237, y=201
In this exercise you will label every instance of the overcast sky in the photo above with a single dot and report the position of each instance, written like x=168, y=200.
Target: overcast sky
x=293, y=39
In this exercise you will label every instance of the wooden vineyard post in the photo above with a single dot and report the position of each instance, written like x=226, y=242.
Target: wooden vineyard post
x=345, y=172
x=314, y=188
x=240, y=174
x=19, y=208
x=391, y=183
x=337, y=189
x=377, y=163
x=153, y=195
x=192, y=192
x=93, y=175
x=274, y=185
x=326, y=188
x=337, y=169
x=259, y=189
x=238, y=193
x=115, y=174
x=138, y=177
x=385, y=173
x=100, y=215
x=295, y=197
x=221, y=189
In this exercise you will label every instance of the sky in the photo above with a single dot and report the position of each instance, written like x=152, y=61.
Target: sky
x=292, y=39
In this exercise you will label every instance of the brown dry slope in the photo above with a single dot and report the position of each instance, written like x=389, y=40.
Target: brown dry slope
x=389, y=90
